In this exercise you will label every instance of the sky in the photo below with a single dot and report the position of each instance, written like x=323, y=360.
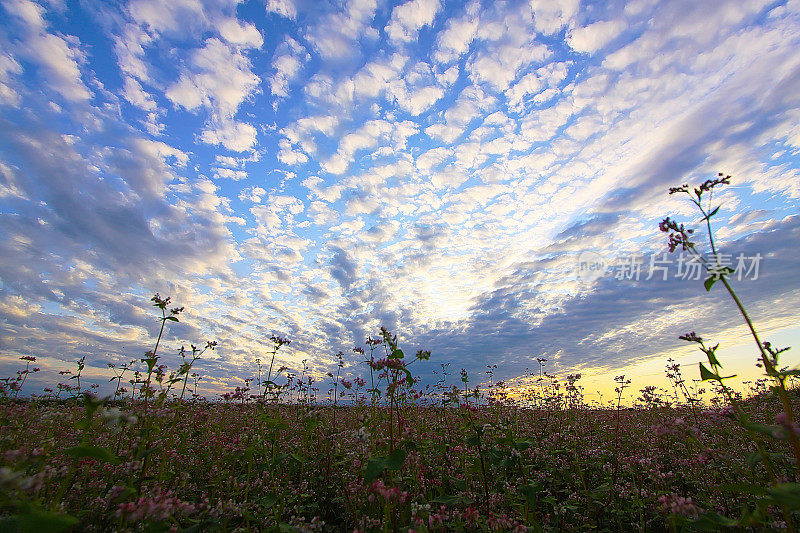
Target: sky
x=319, y=169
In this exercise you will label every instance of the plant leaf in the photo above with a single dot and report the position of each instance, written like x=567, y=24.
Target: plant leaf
x=37, y=520
x=706, y=374
x=93, y=452
x=375, y=468
x=787, y=494
x=396, y=459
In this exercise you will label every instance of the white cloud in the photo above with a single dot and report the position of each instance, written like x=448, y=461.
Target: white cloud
x=253, y=194
x=303, y=131
x=162, y=150
x=147, y=166
x=454, y=41
x=595, y=36
x=229, y=173
x=59, y=57
x=499, y=64
x=242, y=34
x=530, y=83
x=284, y=8
x=415, y=101
x=159, y=16
x=444, y=132
x=233, y=135
x=365, y=137
x=288, y=156
x=152, y=124
x=449, y=177
x=335, y=35
x=288, y=60
x=130, y=50
x=551, y=15
x=373, y=133
x=132, y=91
x=219, y=78
x=9, y=186
x=471, y=104
x=407, y=19
x=8, y=68
x=30, y=12
x=448, y=77
x=432, y=158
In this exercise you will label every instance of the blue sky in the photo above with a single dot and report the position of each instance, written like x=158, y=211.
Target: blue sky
x=319, y=169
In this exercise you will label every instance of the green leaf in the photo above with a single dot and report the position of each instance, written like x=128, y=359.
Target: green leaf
x=600, y=491
x=761, y=428
x=753, y=458
x=712, y=213
x=100, y=454
x=396, y=459
x=172, y=318
x=151, y=363
x=742, y=488
x=269, y=500
x=376, y=465
x=713, y=522
x=397, y=353
x=508, y=462
x=787, y=494
x=529, y=493
x=375, y=468
x=454, y=501
x=712, y=357
x=710, y=282
x=706, y=374
x=37, y=520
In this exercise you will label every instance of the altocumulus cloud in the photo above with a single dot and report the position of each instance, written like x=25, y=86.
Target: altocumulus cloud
x=320, y=169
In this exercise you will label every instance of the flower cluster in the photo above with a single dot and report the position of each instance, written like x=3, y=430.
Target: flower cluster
x=160, y=506
x=679, y=505
x=394, y=495
x=678, y=234
x=391, y=364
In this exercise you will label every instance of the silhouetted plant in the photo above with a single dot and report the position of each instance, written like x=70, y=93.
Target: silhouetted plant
x=787, y=429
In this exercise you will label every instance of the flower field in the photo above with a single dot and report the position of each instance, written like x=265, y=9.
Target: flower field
x=460, y=465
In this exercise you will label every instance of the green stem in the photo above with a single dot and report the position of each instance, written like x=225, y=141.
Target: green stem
x=786, y=402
